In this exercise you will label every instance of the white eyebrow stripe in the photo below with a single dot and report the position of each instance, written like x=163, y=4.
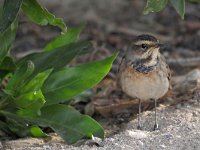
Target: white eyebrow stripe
x=144, y=42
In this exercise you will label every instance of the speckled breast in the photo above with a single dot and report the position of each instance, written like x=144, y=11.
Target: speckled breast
x=148, y=86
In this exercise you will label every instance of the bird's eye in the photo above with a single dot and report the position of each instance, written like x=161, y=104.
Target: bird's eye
x=144, y=46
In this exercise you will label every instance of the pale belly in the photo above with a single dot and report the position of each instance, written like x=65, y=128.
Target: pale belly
x=144, y=86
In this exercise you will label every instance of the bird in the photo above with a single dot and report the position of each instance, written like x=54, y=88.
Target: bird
x=144, y=73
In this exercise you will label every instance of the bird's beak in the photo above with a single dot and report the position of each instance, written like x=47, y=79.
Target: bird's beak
x=161, y=46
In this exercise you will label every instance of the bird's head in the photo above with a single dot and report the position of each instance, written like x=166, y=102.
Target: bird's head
x=144, y=50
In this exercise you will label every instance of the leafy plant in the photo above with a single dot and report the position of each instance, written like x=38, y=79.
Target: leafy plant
x=158, y=5
x=34, y=87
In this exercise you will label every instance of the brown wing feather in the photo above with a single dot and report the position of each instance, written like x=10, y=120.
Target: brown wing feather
x=165, y=67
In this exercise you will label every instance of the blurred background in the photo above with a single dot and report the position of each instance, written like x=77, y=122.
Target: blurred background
x=111, y=26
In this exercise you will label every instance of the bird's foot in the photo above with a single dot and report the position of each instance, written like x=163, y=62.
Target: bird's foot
x=155, y=127
x=139, y=127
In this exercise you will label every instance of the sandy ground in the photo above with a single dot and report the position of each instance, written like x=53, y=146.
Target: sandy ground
x=179, y=130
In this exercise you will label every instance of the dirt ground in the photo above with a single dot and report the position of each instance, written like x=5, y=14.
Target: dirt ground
x=111, y=25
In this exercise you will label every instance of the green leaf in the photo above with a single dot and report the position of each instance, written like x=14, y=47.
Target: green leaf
x=19, y=77
x=1, y=8
x=7, y=66
x=41, y=15
x=17, y=126
x=29, y=104
x=36, y=83
x=69, y=123
x=70, y=36
x=9, y=13
x=66, y=83
x=3, y=73
x=4, y=128
x=37, y=132
x=64, y=120
x=7, y=38
x=31, y=99
x=154, y=6
x=179, y=5
x=55, y=59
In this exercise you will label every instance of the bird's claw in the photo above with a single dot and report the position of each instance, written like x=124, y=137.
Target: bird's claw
x=155, y=127
x=139, y=127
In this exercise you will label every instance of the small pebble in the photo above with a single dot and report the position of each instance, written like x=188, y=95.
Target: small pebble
x=163, y=146
x=95, y=141
x=136, y=134
x=195, y=114
x=168, y=136
x=140, y=143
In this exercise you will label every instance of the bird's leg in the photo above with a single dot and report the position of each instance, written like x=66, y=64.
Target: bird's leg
x=156, y=121
x=139, y=112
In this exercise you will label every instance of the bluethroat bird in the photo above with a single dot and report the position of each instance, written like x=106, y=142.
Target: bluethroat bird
x=144, y=73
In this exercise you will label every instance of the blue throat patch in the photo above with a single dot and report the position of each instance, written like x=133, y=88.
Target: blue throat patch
x=138, y=66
